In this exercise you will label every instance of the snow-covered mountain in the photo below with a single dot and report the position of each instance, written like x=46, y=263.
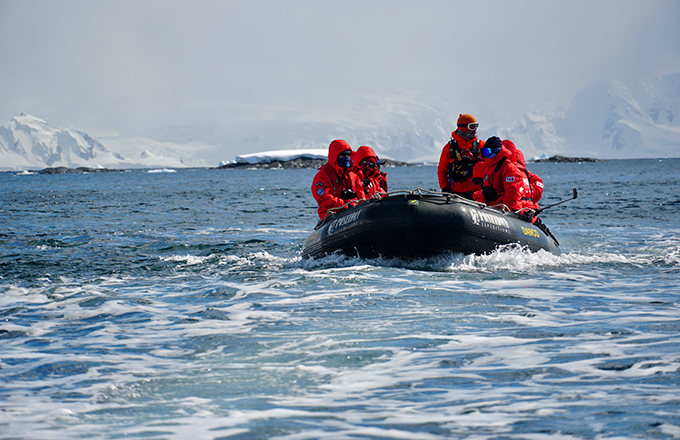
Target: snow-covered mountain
x=608, y=120
x=28, y=142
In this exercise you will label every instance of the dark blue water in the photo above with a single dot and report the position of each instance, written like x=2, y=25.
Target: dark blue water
x=164, y=305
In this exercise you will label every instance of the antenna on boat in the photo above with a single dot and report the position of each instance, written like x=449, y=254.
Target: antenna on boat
x=559, y=203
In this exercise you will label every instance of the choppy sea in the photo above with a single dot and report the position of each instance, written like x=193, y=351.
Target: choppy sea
x=175, y=305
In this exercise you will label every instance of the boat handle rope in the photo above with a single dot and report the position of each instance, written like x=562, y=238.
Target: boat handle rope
x=420, y=191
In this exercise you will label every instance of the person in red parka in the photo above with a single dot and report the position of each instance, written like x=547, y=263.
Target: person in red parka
x=504, y=184
x=478, y=175
x=366, y=167
x=459, y=157
x=335, y=183
x=535, y=181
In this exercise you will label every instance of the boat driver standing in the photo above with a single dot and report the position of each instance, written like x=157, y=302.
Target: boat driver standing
x=335, y=183
x=459, y=157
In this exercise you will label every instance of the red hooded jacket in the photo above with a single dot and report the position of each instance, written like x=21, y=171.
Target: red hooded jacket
x=535, y=181
x=510, y=184
x=372, y=179
x=461, y=164
x=332, y=180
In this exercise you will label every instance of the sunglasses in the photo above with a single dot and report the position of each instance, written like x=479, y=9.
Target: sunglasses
x=472, y=126
x=488, y=153
x=345, y=154
x=367, y=164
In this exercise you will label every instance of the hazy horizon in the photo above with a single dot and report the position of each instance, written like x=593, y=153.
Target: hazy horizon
x=135, y=66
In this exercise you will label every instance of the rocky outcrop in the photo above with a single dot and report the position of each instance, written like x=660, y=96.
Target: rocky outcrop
x=558, y=158
x=300, y=162
x=79, y=170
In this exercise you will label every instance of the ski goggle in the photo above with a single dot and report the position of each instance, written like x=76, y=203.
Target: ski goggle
x=472, y=126
x=488, y=153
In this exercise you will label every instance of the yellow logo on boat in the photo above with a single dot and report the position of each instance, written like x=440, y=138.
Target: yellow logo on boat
x=531, y=231
x=413, y=202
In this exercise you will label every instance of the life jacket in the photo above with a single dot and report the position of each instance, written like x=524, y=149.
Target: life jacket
x=447, y=172
x=462, y=161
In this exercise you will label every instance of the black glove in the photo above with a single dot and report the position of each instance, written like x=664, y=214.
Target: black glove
x=489, y=194
x=447, y=189
x=348, y=194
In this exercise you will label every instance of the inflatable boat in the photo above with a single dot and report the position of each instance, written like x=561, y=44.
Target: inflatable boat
x=421, y=223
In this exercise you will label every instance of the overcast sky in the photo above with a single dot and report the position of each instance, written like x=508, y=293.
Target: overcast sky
x=132, y=66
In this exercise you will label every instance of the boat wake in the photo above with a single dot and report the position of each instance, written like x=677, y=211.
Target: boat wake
x=512, y=257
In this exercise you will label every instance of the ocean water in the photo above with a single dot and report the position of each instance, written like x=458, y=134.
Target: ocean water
x=175, y=305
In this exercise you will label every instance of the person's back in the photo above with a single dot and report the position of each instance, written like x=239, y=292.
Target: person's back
x=335, y=183
x=535, y=181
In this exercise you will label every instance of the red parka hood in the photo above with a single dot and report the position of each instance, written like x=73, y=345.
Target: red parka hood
x=334, y=149
x=514, y=151
x=362, y=153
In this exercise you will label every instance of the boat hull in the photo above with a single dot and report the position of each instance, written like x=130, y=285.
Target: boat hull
x=416, y=225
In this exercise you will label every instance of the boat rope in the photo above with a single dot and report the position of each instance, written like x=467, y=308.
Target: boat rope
x=421, y=191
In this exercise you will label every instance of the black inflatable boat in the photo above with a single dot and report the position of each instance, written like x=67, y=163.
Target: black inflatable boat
x=420, y=223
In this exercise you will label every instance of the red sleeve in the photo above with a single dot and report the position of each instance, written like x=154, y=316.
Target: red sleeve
x=443, y=167
x=322, y=190
x=536, y=186
x=358, y=186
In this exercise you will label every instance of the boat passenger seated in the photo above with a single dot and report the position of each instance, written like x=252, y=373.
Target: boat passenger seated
x=366, y=167
x=336, y=184
x=505, y=183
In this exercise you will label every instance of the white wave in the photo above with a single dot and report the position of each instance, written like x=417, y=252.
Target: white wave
x=507, y=258
x=188, y=260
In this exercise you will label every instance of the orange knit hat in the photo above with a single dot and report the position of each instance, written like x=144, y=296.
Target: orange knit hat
x=466, y=119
